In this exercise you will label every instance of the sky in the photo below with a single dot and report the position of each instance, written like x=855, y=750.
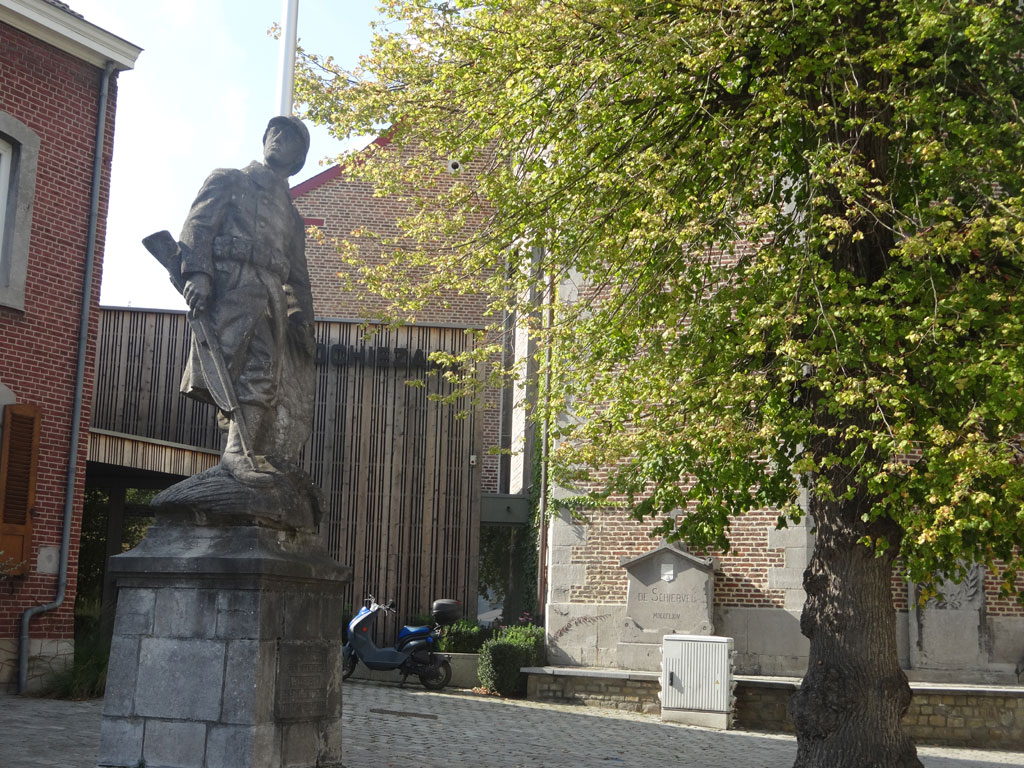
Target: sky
x=199, y=98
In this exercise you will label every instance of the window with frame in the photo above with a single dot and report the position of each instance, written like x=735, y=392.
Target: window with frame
x=6, y=160
x=19, y=154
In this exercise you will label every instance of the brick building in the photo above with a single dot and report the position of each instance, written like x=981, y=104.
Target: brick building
x=971, y=635
x=58, y=96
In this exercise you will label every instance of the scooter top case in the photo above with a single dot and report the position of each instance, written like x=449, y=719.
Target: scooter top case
x=446, y=611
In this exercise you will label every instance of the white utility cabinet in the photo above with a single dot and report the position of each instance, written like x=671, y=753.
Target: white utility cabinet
x=696, y=680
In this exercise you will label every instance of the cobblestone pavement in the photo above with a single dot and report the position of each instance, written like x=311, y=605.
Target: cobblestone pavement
x=385, y=725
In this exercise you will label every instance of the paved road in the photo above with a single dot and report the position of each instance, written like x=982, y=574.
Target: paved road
x=389, y=726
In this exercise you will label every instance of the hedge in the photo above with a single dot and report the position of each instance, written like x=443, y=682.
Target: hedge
x=502, y=657
x=464, y=637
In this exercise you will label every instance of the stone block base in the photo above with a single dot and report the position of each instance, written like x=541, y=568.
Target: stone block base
x=226, y=652
x=626, y=690
x=642, y=656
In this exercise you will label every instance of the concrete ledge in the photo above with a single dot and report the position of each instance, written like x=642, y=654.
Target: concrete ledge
x=721, y=721
x=607, y=673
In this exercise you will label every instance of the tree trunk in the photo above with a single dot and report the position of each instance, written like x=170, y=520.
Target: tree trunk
x=849, y=709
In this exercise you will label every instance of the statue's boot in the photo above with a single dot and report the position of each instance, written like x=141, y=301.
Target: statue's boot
x=251, y=470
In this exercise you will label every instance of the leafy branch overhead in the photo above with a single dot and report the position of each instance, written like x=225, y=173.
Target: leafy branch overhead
x=788, y=235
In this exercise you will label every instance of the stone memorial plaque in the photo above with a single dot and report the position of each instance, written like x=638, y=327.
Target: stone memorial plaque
x=671, y=592
x=948, y=632
x=302, y=677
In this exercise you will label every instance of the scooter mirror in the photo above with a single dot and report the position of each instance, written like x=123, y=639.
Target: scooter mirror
x=391, y=605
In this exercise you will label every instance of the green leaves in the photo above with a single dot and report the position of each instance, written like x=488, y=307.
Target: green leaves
x=788, y=236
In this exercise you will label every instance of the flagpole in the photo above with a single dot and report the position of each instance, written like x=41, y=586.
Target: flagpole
x=288, y=34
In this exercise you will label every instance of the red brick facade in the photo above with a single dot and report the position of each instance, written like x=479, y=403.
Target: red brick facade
x=743, y=580
x=346, y=206
x=56, y=95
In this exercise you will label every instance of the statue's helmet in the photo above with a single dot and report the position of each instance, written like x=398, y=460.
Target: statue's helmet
x=299, y=128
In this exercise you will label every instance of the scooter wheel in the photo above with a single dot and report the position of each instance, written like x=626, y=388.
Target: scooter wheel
x=348, y=666
x=442, y=675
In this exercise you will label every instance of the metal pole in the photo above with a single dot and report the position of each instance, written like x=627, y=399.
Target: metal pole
x=286, y=85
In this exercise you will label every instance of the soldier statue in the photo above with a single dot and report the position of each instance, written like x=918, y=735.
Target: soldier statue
x=240, y=264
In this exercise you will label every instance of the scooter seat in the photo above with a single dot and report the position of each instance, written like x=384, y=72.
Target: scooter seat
x=407, y=631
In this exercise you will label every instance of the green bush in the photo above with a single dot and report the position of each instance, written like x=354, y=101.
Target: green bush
x=530, y=635
x=464, y=636
x=504, y=655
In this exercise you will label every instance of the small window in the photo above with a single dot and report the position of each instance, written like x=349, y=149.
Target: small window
x=19, y=466
x=19, y=155
x=6, y=159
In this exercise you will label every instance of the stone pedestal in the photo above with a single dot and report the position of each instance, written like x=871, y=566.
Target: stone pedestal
x=226, y=651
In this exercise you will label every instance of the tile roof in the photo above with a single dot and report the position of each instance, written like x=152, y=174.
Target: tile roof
x=64, y=7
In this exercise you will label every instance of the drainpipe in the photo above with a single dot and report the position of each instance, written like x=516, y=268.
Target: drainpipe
x=76, y=409
x=506, y=396
x=545, y=448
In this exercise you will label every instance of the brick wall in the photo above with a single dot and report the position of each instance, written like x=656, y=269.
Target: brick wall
x=959, y=716
x=742, y=581
x=996, y=605
x=56, y=95
x=351, y=213
x=607, y=691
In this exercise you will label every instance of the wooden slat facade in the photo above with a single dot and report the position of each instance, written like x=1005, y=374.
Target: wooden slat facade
x=129, y=451
x=140, y=357
x=403, y=501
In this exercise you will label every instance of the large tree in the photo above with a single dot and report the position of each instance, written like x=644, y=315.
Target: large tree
x=796, y=228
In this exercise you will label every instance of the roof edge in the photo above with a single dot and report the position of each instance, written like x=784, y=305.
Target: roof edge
x=706, y=563
x=69, y=33
x=315, y=182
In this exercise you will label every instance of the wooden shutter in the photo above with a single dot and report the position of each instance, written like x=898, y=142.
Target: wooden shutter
x=19, y=463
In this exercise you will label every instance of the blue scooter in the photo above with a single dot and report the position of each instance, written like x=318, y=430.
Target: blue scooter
x=415, y=653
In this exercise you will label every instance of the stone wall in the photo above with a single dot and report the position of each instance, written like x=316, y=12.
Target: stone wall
x=757, y=592
x=945, y=715
x=971, y=716
x=758, y=597
x=628, y=691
